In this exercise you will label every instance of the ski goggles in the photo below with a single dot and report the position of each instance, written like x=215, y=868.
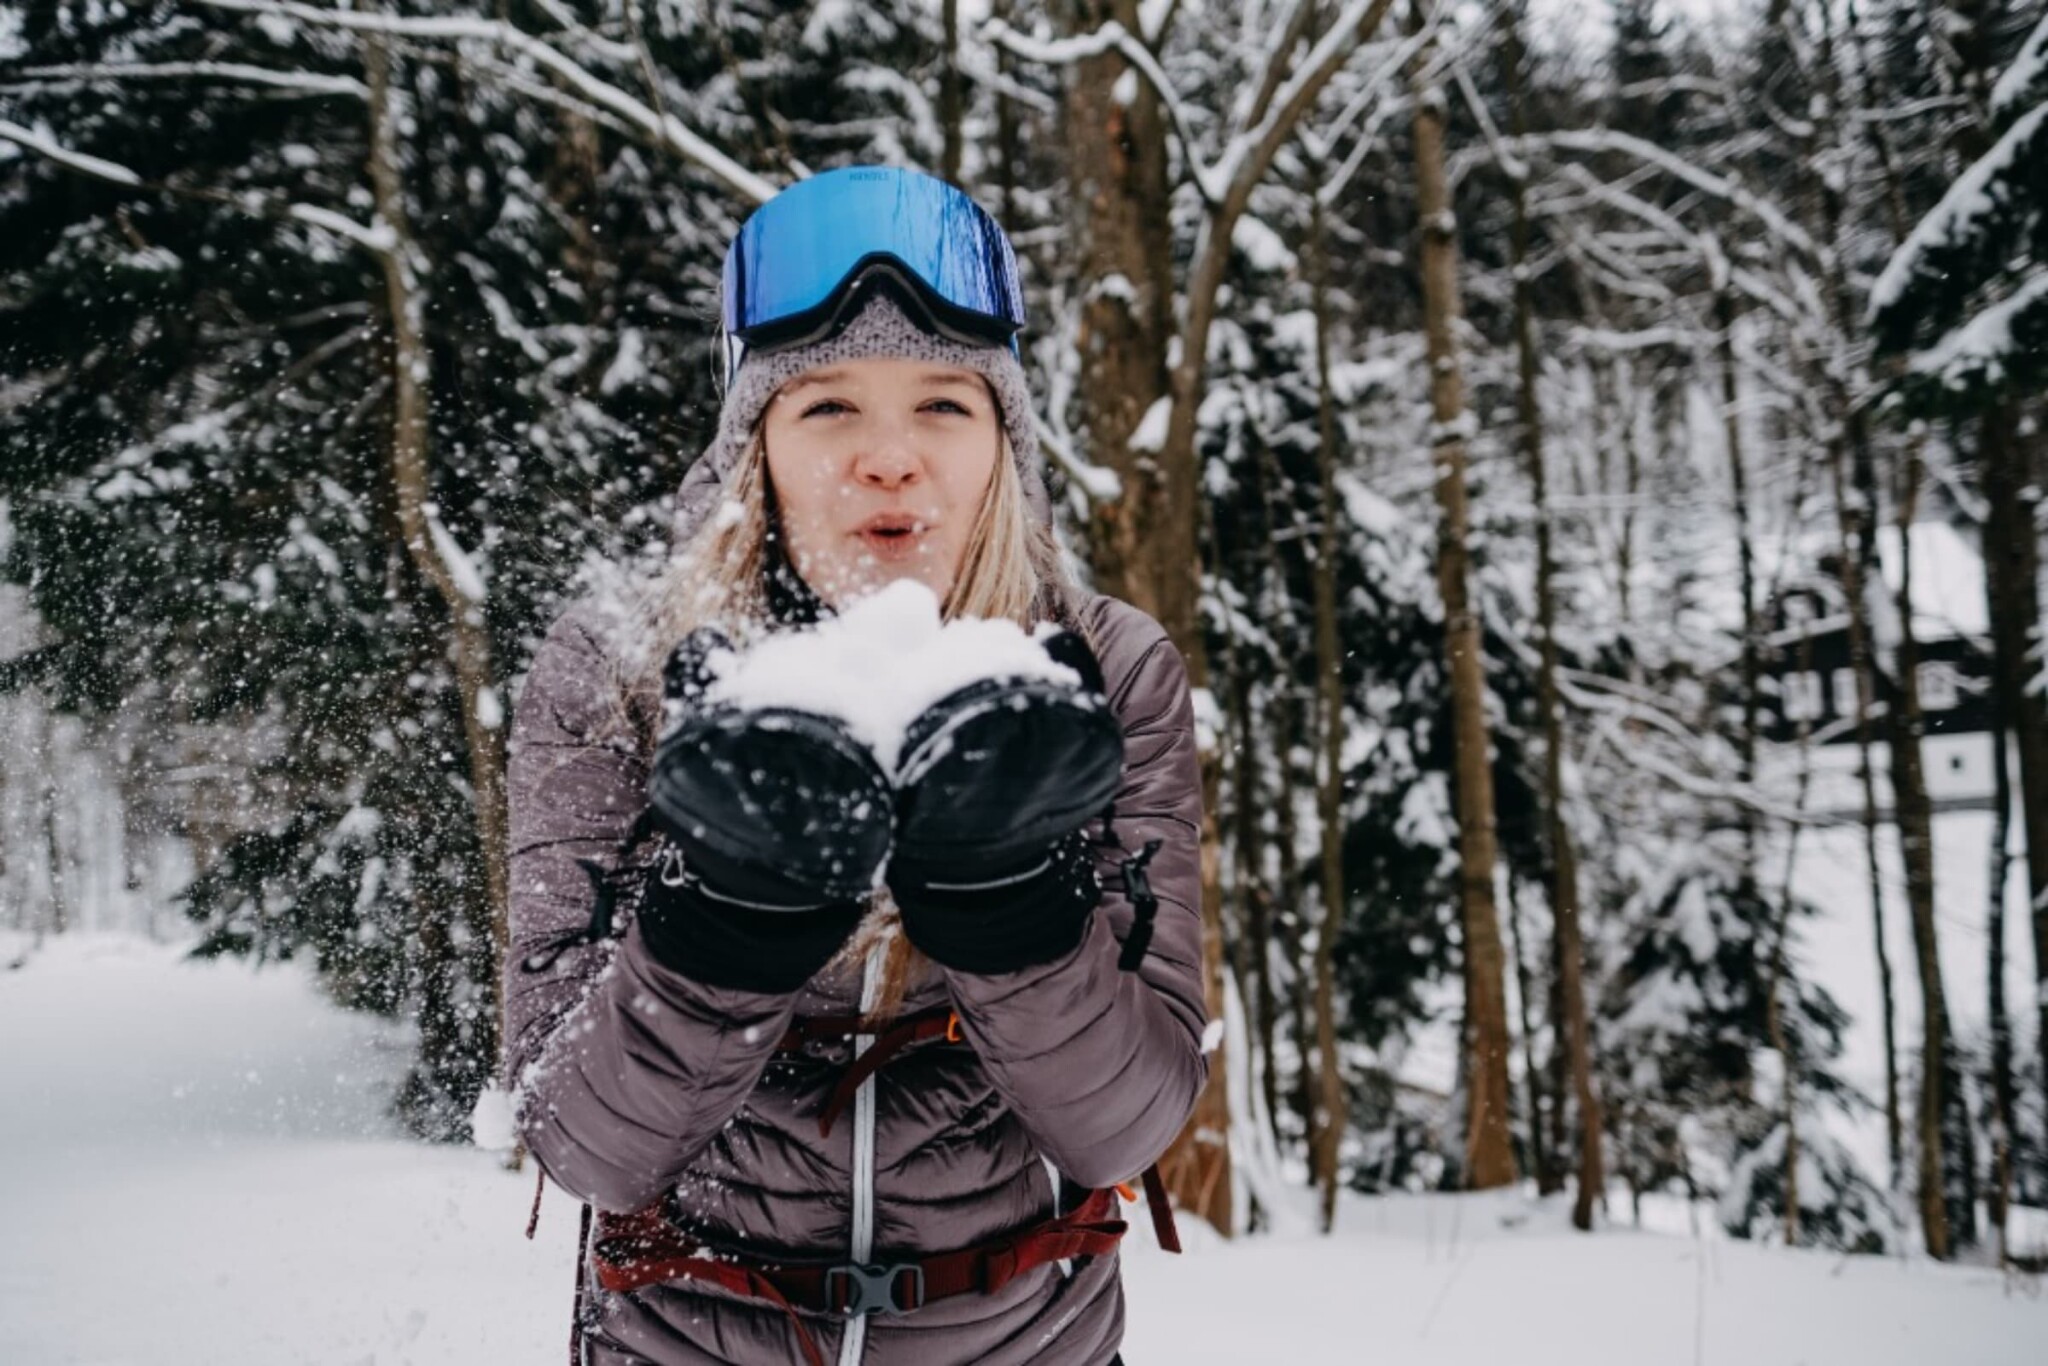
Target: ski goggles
x=802, y=263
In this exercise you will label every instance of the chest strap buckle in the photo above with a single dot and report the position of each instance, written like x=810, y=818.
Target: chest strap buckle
x=870, y=1288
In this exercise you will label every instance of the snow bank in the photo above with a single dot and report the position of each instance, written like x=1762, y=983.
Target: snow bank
x=277, y=1220
x=880, y=663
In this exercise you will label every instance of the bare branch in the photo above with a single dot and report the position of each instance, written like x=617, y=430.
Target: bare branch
x=669, y=130
x=1278, y=58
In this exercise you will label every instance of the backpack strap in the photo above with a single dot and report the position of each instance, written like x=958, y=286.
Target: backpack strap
x=930, y=1024
x=638, y=1250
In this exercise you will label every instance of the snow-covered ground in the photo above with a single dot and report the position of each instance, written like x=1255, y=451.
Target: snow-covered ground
x=194, y=1171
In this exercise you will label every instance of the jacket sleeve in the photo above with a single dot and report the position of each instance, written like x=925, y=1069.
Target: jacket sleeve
x=620, y=1069
x=1103, y=1066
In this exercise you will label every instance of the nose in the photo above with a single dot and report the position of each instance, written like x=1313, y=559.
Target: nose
x=889, y=460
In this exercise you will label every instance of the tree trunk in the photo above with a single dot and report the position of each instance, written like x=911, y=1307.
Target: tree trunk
x=1007, y=152
x=1489, y=1151
x=1295, y=937
x=1782, y=1039
x=1123, y=253
x=1567, y=944
x=53, y=850
x=1965, y=62
x=951, y=100
x=1256, y=900
x=1857, y=561
x=429, y=545
x=1745, y=549
x=1144, y=542
x=1274, y=901
x=1999, y=868
x=1332, y=1110
x=2011, y=566
x=1857, y=520
x=1548, y=1179
x=1916, y=844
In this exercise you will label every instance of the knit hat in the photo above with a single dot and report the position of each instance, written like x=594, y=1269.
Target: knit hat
x=880, y=329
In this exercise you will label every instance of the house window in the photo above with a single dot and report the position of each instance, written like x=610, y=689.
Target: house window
x=1802, y=694
x=1940, y=686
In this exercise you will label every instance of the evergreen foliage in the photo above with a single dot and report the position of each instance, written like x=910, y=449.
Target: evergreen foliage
x=196, y=491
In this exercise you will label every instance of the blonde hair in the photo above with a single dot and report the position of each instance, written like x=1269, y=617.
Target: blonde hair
x=1011, y=569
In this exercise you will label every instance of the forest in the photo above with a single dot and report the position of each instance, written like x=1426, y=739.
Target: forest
x=1590, y=458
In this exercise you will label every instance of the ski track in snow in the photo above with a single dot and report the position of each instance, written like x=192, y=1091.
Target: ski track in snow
x=194, y=1170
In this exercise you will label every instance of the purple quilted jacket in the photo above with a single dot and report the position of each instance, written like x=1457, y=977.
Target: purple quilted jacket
x=636, y=1083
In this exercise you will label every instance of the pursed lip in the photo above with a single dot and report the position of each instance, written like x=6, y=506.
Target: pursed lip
x=892, y=533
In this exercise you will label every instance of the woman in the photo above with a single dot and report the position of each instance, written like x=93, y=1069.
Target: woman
x=850, y=1084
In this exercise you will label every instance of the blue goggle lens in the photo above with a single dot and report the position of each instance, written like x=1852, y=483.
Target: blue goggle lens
x=795, y=257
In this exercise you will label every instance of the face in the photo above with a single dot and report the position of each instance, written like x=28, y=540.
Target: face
x=879, y=468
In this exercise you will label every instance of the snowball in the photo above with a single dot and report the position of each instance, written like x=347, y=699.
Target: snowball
x=880, y=663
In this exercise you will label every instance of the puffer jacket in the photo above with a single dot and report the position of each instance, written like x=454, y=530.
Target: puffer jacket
x=635, y=1083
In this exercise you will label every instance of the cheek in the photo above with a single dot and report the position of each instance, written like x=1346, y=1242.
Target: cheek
x=806, y=489
x=969, y=467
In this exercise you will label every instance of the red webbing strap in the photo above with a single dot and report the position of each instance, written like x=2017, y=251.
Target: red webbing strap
x=540, y=1183
x=646, y=1249
x=932, y=1024
x=1091, y=1230
x=804, y=1028
x=635, y=1250
x=1163, y=1227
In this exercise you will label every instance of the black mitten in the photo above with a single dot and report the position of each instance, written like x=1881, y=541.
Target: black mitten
x=1001, y=920
x=989, y=867
x=701, y=927
x=781, y=820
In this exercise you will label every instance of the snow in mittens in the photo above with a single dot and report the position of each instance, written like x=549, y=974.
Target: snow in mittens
x=881, y=662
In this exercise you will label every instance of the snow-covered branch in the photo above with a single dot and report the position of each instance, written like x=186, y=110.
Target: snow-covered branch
x=1100, y=484
x=299, y=82
x=665, y=128
x=1114, y=37
x=1595, y=140
x=1983, y=349
x=1379, y=94
x=611, y=49
x=1610, y=341
x=464, y=574
x=1962, y=213
x=1249, y=150
x=1511, y=165
x=375, y=238
x=1244, y=161
x=1273, y=67
x=32, y=141
x=2026, y=80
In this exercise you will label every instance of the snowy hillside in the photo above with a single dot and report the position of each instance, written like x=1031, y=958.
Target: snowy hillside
x=193, y=1170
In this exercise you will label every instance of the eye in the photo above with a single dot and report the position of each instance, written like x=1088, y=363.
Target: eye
x=827, y=407
x=947, y=405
